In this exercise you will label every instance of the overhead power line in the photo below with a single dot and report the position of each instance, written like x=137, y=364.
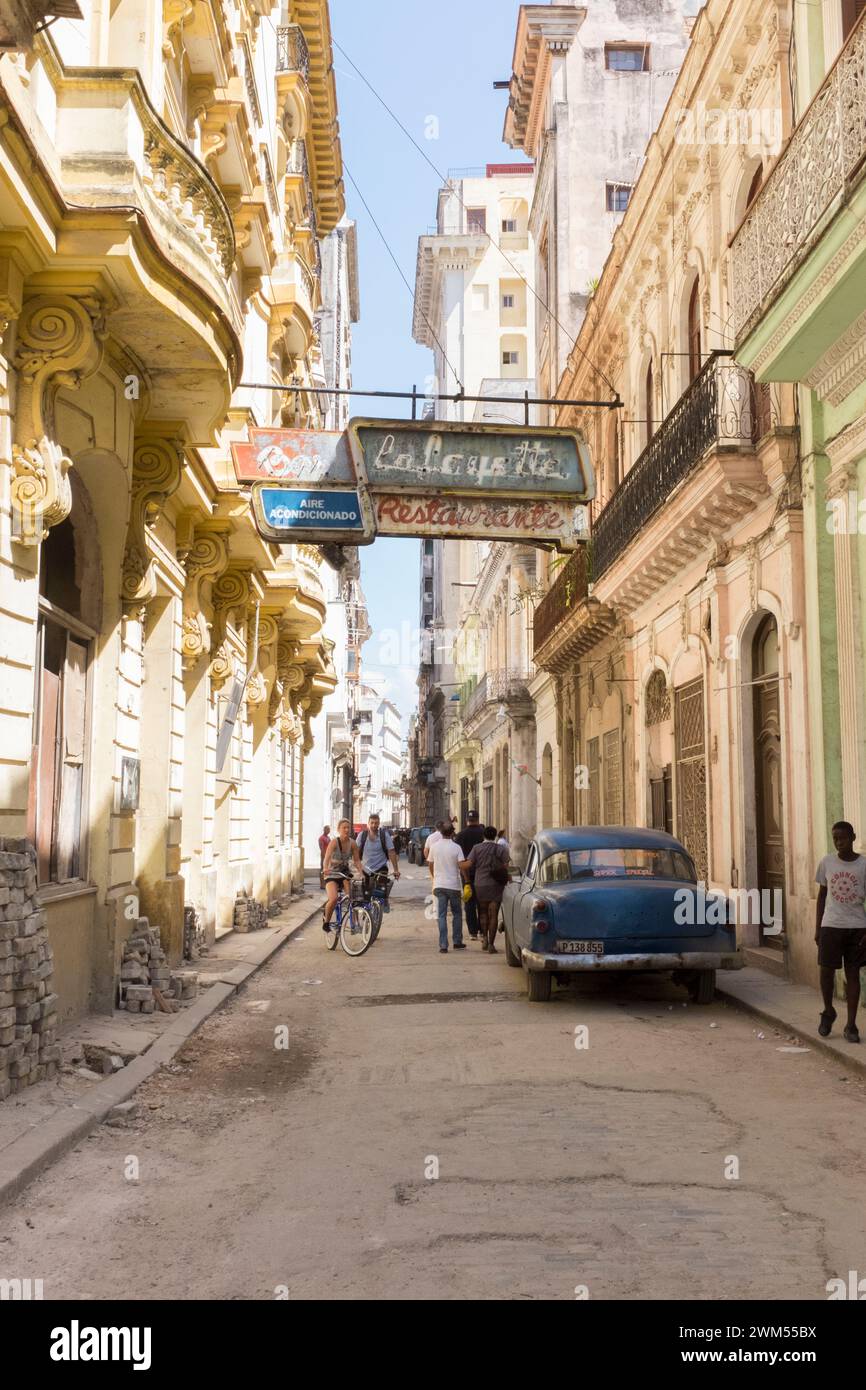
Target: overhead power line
x=444, y=180
x=387, y=246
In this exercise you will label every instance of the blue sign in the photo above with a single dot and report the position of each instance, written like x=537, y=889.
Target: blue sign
x=309, y=509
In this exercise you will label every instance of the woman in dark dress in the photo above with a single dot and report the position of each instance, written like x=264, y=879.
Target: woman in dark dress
x=488, y=867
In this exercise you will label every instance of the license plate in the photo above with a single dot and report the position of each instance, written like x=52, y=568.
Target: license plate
x=581, y=948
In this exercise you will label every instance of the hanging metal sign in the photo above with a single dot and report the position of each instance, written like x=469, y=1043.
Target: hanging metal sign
x=514, y=459
x=288, y=455
x=290, y=512
x=404, y=478
x=550, y=520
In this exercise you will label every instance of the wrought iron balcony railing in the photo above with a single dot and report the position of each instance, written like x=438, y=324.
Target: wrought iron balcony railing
x=721, y=408
x=824, y=156
x=568, y=589
x=507, y=687
x=717, y=410
x=293, y=55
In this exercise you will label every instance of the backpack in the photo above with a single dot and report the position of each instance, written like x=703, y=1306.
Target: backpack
x=362, y=840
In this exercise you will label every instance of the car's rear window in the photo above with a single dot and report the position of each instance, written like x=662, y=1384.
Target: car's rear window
x=613, y=862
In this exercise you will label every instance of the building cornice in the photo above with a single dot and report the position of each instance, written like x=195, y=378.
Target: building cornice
x=437, y=254
x=542, y=30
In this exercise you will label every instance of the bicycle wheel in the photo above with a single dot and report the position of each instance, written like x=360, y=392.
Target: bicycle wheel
x=341, y=910
x=356, y=933
x=374, y=907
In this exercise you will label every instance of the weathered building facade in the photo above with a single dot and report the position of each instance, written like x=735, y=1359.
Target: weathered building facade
x=798, y=280
x=677, y=642
x=166, y=176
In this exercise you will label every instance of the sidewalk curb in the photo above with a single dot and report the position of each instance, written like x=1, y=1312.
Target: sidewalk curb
x=844, y=1053
x=30, y=1155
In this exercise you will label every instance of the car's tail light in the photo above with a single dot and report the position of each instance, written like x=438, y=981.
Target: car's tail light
x=539, y=918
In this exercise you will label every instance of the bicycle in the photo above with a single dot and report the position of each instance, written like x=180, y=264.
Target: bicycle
x=354, y=926
x=377, y=898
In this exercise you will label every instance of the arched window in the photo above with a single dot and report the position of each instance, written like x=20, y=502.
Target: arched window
x=694, y=330
x=755, y=185
x=650, y=413
x=657, y=699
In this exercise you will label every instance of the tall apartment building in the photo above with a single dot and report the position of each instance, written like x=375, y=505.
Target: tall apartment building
x=588, y=88
x=473, y=309
x=380, y=758
x=341, y=307
x=589, y=85
x=168, y=173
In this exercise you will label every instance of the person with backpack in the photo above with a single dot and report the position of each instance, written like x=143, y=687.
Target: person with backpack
x=376, y=849
x=487, y=866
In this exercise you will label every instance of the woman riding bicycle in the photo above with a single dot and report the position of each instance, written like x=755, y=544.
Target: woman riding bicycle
x=342, y=860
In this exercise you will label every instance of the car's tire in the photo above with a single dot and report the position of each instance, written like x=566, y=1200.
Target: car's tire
x=510, y=957
x=703, y=987
x=539, y=985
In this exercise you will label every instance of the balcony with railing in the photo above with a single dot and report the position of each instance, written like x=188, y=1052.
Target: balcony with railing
x=716, y=411
x=504, y=687
x=656, y=520
x=785, y=243
x=293, y=54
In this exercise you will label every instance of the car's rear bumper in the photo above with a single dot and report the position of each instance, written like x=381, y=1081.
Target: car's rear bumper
x=668, y=960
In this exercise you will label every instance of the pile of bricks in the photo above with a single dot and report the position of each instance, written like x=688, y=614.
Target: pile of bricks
x=249, y=914
x=194, y=939
x=29, y=1050
x=146, y=979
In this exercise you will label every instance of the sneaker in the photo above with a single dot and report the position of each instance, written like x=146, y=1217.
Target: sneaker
x=492, y=950
x=459, y=945
x=851, y=1033
x=828, y=1018
x=443, y=950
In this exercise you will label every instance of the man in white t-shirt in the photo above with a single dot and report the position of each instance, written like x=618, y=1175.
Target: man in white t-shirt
x=840, y=926
x=432, y=839
x=445, y=859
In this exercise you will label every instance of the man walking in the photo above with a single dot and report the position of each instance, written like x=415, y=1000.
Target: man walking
x=432, y=839
x=324, y=841
x=840, y=926
x=471, y=835
x=376, y=849
x=445, y=859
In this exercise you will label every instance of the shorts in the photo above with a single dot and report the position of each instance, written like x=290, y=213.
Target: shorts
x=841, y=945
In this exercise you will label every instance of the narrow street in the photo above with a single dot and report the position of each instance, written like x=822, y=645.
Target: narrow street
x=307, y=1172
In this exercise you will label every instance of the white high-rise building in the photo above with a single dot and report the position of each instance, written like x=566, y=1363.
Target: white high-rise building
x=474, y=309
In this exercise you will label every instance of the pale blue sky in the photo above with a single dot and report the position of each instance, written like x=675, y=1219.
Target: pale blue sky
x=425, y=59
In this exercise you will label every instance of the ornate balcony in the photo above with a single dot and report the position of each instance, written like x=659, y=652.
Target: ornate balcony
x=505, y=687
x=293, y=55
x=569, y=588
x=104, y=122
x=697, y=476
x=716, y=411
x=810, y=188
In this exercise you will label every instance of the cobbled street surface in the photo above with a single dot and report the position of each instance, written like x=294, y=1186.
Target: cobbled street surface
x=306, y=1170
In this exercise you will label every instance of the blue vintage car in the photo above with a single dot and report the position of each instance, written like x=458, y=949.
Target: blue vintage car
x=614, y=898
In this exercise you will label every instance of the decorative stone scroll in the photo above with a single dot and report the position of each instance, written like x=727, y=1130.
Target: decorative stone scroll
x=59, y=343
x=156, y=473
x=231, y=591
x=207, y=559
